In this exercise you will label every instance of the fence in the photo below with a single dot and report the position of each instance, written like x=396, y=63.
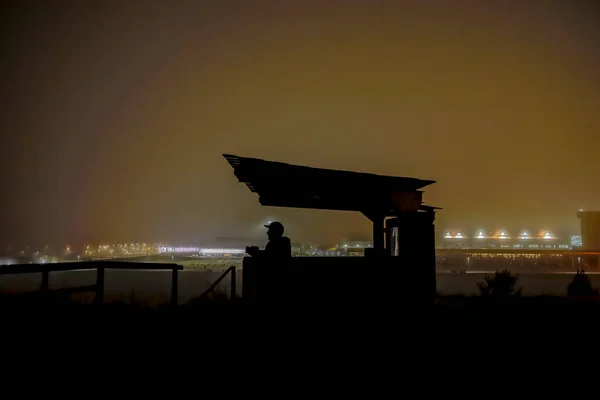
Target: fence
x=100, y=267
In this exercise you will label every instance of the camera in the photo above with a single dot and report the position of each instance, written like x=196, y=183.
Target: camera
x=251, y=249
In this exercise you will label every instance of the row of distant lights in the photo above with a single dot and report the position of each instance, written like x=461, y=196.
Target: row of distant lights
x=169, y=249
x=501, y=235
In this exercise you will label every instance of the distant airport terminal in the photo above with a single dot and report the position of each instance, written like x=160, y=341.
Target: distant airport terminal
x=455, y=249
x=502, y=239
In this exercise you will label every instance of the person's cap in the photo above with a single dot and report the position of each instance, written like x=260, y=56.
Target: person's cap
x=275, y=225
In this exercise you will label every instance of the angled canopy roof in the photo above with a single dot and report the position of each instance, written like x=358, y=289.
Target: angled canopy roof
x=286, y=185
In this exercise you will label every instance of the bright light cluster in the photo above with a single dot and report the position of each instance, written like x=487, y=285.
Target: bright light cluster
x=222, y=251
x=137, y=249
x=168, y=249
x=456, y=235
x=498, y=235
x=119, y=250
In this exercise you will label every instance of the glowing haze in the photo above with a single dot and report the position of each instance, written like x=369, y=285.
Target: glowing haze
x=115, y=114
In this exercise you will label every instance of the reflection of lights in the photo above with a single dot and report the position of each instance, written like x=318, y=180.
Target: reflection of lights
x=524, y=235
x=459, y=235
x=480, y=235
x=345, y=245
x=502, y=235
x=447, y=235
x=547, y=235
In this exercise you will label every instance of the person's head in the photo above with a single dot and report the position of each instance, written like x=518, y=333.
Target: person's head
x=275, y=230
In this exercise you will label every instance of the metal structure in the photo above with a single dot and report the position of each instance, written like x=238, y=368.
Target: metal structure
x=376, y=196
x=403, y=226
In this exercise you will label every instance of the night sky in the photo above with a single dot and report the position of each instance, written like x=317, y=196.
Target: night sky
x=115, y=113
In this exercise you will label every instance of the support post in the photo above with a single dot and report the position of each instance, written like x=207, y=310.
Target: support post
x=99, y=300
x=45, y=281
x=378, y=231
x=378, y=236
x=233, y=283
x=174, y=287
x=416, y=250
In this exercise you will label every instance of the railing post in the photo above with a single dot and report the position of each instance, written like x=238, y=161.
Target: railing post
x=174, y=286
x=233, y=283
x=99, y=286
x=45, y=281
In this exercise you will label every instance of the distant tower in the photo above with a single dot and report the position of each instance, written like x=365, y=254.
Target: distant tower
x=590, y=229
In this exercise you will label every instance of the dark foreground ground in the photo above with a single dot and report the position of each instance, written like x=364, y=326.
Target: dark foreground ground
x=459, y=311
x=457, y=346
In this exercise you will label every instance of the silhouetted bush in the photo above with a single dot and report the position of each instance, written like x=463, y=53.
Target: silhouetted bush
x=501, y=284
x=581, y=285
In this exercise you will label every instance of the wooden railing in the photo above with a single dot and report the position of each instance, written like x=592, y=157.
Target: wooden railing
x=100, y=267
x=233, y=288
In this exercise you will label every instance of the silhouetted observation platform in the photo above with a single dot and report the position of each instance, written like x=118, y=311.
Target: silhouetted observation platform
x=402, y=260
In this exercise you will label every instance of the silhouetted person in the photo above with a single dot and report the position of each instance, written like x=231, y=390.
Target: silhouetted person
x=271, y=274
x=279, y=246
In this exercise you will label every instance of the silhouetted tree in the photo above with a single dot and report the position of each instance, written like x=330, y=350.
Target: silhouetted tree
x=581, y=285
x=501, y=284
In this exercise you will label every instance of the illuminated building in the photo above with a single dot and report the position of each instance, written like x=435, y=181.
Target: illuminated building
x=217, y=252
x=178, y=249
x=524, y=239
